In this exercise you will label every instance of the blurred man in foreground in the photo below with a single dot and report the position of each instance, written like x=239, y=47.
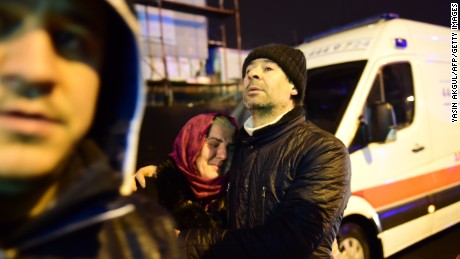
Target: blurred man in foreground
x=70, y=109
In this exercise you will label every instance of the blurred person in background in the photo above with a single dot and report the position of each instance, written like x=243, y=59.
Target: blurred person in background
x=70, y=109
x=191, y=184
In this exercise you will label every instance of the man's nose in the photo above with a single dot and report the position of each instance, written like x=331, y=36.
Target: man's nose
x=32, y=58
x=254, y=73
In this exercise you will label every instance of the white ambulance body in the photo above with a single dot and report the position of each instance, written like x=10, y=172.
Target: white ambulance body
x=384, y=89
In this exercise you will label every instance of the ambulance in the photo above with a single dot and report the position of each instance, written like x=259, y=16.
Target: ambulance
x=385, y=88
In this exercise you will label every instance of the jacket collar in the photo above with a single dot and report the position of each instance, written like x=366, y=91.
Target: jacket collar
x=290, y=120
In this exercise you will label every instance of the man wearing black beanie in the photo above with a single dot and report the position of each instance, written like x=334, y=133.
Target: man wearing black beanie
x=290, y=180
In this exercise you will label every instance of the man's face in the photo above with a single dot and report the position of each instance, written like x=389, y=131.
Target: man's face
x=50, y=55
x=266, y=86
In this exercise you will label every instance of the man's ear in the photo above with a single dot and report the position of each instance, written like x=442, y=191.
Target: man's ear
x=293, y=89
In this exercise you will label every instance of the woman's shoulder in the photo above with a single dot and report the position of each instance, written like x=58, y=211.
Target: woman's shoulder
x=170, y=185
x=168, y=174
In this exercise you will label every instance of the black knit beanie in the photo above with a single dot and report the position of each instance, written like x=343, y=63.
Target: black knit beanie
x=291, y=60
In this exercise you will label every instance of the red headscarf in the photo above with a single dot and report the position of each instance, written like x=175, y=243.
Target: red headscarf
x=186, y=148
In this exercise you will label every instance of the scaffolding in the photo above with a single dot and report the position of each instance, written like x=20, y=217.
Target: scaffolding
x=219, y=13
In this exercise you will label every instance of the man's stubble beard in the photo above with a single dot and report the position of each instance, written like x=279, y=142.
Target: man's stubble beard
x=261, y=110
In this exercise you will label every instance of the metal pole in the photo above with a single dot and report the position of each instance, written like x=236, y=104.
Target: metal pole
x=238, y=31
x=224, y=47
x=167, y=88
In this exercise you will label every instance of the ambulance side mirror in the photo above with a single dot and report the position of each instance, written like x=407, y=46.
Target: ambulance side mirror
x=382, y=122
x=362, y=136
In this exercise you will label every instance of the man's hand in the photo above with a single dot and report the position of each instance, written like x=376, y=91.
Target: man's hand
x=146, y=171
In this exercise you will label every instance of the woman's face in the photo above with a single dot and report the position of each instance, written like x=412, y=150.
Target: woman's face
x=217, y=152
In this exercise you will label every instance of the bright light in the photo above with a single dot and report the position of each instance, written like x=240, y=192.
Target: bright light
x=410, y=98
x=400, y=43
x=431, y=208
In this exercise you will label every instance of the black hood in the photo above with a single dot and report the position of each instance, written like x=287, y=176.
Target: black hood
x=120, y=104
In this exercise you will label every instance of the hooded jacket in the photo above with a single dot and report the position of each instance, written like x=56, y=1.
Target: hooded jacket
x=289, y=186
x=89, y=217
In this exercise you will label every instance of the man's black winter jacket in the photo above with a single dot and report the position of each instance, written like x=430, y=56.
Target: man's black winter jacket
x=290, y=185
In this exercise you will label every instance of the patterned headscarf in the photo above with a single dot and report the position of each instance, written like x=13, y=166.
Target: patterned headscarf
x=187, y=147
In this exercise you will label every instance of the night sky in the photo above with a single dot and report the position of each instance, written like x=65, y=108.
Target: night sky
x=290, y=21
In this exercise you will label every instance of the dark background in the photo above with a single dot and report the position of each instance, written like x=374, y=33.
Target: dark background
x=290, y=21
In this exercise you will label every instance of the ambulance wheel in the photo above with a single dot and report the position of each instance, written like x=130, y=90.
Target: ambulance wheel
x=354, y=243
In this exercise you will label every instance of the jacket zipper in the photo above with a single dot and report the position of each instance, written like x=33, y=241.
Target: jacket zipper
x=228, y=203
x=263, y=203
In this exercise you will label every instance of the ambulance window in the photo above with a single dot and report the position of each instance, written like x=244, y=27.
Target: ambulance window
x=394, y=85
x=329, y=90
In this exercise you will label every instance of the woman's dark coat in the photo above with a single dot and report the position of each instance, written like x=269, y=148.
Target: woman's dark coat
x=172, y=190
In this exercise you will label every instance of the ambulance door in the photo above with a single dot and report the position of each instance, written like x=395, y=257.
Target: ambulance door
x=391, y=171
